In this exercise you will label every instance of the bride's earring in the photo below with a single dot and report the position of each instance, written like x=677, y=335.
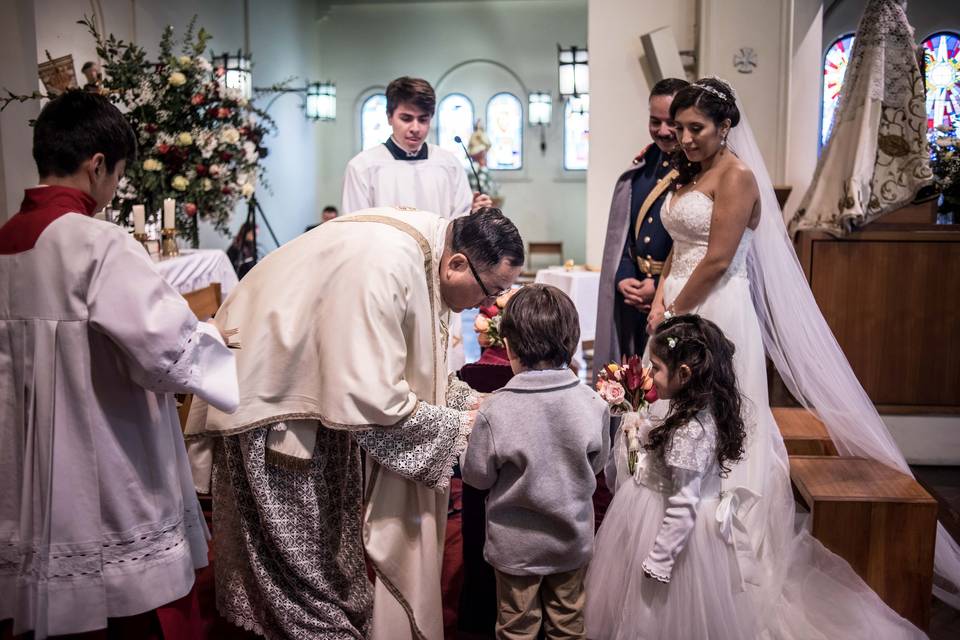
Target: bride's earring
x=723, y=142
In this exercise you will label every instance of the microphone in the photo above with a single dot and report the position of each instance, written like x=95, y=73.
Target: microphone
x=459, y=141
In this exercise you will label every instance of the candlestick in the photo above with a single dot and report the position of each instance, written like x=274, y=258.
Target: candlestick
x=169, y=206
x=168, y=246
x=139, y=218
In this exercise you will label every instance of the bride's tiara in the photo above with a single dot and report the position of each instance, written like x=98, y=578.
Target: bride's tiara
x=712, y=91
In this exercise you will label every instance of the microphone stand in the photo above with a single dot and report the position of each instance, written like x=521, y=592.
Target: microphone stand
x=470, y=160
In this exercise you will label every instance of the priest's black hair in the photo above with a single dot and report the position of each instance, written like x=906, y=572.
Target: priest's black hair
x=416, y=91
x=542, y=326
x=487, y=237
x=74, y=127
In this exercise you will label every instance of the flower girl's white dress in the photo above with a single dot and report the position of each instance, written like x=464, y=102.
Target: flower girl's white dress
x=670, y=519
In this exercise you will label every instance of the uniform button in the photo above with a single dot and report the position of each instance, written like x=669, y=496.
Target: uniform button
x=648, y=257
x=666, y=164
x=650, y=219
x=646, y=239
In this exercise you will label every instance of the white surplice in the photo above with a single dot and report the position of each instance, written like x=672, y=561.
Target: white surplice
x=98, y=515
x=438, y=183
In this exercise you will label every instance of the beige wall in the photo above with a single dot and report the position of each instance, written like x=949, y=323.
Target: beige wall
x=18, y=73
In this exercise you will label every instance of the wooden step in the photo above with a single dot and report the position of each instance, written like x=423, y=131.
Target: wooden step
x=803, y=433
x=879, y=520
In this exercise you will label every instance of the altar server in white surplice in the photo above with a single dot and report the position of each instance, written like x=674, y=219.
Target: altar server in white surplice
x=408, y=172
x=98, y=515
x=351, y=357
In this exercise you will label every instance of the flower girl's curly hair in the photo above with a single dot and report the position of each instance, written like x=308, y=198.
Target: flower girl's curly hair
x=700, y=345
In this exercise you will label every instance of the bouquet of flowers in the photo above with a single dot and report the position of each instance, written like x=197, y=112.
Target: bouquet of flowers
x=628, y=389
x=199, y=142
x=487, y=324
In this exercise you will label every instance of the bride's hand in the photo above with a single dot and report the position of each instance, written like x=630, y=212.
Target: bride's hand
x=655, y=317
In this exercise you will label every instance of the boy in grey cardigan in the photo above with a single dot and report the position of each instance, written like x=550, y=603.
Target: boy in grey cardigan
x=538, y=444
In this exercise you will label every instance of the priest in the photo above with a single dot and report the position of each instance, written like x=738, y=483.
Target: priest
x=99, y=522
x=352, y=358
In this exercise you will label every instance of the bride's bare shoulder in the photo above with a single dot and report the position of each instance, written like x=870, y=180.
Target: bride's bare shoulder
x=736, y=174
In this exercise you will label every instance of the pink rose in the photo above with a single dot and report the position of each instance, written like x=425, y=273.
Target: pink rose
x=484, y=340
x=481, y=324
x=612, y=392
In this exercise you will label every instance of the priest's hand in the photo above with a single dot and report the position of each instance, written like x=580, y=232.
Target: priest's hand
x=480, y=200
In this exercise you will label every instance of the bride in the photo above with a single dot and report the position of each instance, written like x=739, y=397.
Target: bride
x=732, y=263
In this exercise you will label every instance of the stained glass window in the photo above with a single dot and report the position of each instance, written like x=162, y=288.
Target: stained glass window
x=576, y=133
x=374, y=128
x=505, y=128
x=834, y=68
x=455, y=118
x=941, y=54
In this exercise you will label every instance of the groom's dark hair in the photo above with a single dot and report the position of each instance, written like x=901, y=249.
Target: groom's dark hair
x=487, y=236
x=668, y=87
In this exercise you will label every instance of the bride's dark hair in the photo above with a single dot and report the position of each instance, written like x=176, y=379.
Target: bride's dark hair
x=698, y=343
x=716, y=100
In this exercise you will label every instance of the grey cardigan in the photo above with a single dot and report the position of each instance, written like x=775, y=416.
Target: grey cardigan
x=538, y=444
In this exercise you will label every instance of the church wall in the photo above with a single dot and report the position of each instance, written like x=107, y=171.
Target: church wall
x=18, y=74
x=283, y=44
x=365, y=46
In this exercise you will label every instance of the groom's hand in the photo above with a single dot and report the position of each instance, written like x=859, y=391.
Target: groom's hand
x=637, y=294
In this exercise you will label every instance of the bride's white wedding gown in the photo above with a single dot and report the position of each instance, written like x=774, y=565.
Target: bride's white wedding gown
x=795, y=588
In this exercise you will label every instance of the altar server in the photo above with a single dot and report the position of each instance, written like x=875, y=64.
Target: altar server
x=98, y=515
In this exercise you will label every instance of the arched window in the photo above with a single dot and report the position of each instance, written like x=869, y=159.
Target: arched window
x=455, y=118
x=941, y=57
x=505, y=128
x=576, y=133
x=834, y=68
x=374, y=128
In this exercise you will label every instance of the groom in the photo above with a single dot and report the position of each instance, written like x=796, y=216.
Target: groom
x=636, y=245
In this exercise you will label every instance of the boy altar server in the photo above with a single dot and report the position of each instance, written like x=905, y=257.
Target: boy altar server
x=98, y=516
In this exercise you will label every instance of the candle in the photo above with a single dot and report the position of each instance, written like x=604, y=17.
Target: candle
x=139, y=218
x=169, y=204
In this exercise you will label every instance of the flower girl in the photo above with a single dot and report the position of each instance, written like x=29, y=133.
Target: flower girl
x=665, y=563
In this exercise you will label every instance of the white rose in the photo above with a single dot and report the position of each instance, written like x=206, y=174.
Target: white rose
x=247, y=190
x=184, y=139
x=177, y=79
x=206, y=184
x=184, y=61
x=229, y=135
x=179, y=183
x=214, y=170
x=152, y=164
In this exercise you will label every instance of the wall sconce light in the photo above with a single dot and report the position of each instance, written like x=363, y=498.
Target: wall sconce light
x=539, y=111
x=321, y=101
x=233, y=72
x=573, y=71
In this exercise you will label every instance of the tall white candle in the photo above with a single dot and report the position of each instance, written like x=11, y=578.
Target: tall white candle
x=169, y=204
x=139, y=218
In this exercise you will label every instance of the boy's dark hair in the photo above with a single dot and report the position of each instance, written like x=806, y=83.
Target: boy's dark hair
x=668, y=87
x=87, y=65
x=542, y=326
x=416, y=91
x=698, y=343
x=75, y=126
x=330, y=207
x=487, y=237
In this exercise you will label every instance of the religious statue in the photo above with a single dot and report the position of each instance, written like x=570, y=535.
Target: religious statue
x=482, y=181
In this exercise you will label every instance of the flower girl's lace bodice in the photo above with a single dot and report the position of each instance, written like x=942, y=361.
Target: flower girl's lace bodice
x=687, y=220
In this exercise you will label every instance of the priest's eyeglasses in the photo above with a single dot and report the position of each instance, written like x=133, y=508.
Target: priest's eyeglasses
x=476, y=276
